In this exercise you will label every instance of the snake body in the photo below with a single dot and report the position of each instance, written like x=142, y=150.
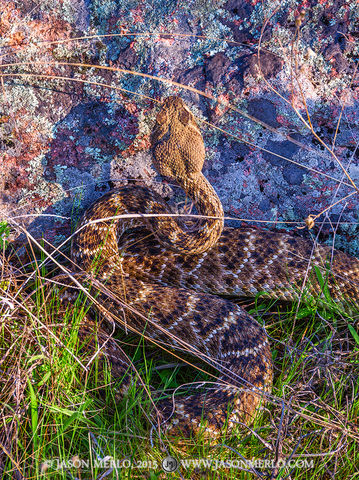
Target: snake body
x=172, y=285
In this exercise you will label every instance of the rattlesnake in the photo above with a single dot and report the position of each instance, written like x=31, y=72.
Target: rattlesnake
x=175, y=281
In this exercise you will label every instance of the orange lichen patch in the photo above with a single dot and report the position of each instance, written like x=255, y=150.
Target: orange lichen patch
x=13, y=175
x=16, y=39
x=137, y=14
x=283, y=120
x=50, y=28
x=144, y=143
x=168, y=41
x=131, y=107
x=222, y=105
x=28, y=144
x=38, y=200
x=8, y=17
x=141, y=144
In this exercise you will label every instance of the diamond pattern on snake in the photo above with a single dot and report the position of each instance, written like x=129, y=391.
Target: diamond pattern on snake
x=177, y=282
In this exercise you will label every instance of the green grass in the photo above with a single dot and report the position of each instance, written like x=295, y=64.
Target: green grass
x=60, y=420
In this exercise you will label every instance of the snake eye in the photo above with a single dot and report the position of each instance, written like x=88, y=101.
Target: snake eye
x=184, y=116
x=161, y=117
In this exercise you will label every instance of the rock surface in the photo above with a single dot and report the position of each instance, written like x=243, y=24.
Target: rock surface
x=65, y=141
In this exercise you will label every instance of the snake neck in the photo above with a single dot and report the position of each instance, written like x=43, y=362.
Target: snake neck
x=173, y=233
x=208, y=205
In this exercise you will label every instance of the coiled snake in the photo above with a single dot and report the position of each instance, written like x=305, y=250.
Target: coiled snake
x=174, y=283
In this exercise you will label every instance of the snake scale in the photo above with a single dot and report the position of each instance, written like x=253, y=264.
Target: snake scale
x=177, y=281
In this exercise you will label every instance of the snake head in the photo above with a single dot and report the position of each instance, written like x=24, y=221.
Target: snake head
x=177, y=143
